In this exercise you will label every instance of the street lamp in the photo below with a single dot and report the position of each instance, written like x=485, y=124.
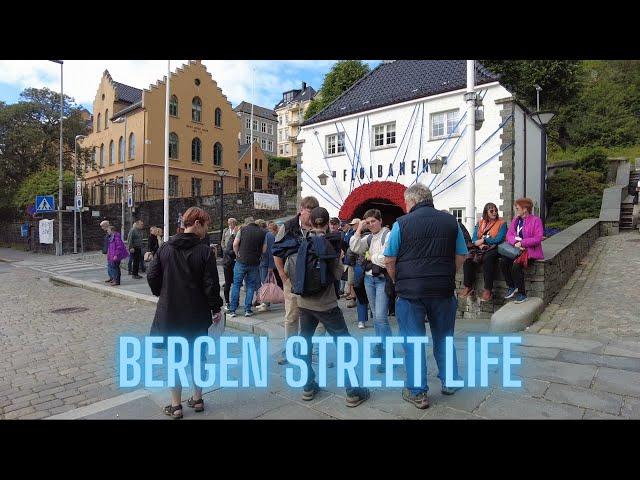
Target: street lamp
x=123, y=119
x=543, y=119
x=75, y=183
x=435, y=165
x=59, y=252
x=222, y=172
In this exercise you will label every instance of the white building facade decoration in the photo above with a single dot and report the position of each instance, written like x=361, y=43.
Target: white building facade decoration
x=366, y=157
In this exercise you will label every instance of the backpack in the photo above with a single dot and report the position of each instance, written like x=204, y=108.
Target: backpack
x=313, y=272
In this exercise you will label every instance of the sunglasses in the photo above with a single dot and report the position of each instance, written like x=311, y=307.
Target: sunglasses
x=492, y=210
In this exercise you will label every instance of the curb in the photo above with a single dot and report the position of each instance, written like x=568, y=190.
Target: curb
x=250, y=325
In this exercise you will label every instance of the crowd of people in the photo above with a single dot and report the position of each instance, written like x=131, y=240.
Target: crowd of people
x=407, y=270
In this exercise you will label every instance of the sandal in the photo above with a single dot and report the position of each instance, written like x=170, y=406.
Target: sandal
x=173, y=411
x=198, y=405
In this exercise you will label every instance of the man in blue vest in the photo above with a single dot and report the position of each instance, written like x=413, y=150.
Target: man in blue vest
x=425, y=249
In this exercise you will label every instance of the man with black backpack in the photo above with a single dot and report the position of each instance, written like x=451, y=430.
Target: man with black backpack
x=313, y=272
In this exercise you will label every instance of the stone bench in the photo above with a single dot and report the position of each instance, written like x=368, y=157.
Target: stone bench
x=515, y=317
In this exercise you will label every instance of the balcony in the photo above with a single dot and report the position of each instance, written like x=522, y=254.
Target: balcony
x=292, y=138
x=294, y=122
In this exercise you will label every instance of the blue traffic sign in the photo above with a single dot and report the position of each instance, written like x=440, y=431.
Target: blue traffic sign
x=45, y=203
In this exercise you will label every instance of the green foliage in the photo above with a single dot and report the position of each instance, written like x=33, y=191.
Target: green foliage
x=44, y=182
x=594, y=161
x=342, y=76
x=573, y=195
x=30, y=133
x=287, y=179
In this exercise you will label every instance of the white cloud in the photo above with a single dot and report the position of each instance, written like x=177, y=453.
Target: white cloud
x=81, y=77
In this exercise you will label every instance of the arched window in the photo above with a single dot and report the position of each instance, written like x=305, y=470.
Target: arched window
x=98, y=122
x=173, y=106
x=102, y=155
x=196, y=109
x=94, y=159
x=106, y=119
x=112, y=153
x=173, y=145
x=121, y=150
x=217, y=154
x=196, y=150
x=218, y=117
x=132, y=146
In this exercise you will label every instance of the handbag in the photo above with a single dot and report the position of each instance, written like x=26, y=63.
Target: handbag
x=270, y=292
x=523, y=259
x=509, y=251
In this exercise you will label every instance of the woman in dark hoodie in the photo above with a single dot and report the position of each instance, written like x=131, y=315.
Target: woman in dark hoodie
x=185, y=277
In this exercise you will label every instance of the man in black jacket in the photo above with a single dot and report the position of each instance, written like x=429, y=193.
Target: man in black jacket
x=249, y=245
x=185, y=277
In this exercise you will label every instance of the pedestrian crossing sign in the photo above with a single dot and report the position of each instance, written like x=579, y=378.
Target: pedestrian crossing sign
x=45, y=203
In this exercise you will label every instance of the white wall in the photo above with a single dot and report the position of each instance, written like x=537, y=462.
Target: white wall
x=488, y=175
x=533, y=158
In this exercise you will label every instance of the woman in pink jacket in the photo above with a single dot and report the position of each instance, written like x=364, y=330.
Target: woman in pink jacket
x=525, y=232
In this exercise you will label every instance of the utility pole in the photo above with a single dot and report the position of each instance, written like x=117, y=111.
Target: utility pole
x=470, y=98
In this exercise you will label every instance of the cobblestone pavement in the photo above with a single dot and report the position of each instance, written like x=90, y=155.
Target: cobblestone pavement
x=601, y=298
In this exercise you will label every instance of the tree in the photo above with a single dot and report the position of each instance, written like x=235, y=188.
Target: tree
x=287, y=179
x=30, y=136
x=43, y=182
x=340, y=78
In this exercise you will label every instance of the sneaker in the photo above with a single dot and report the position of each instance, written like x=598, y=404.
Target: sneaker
x=521, y=297
x=233, y=314
x=248, y=313
x=510, y=293
x=263, y=307
x=357, y=396
x=361, y=325
x=449, y=390
x=351, y=304
x=226, y=308
x=137, y=277
x=310, y=391
x=466, y=292
x=486, y=295
x=108, y=281
x=419, y=400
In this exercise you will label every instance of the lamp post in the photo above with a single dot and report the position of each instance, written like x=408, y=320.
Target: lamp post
x=221, y=172
x=59, y=250
x=165, y=204
x=470, y=99
x=75, y=183
x=123, y=119
x=435, y=165
x=543, y=119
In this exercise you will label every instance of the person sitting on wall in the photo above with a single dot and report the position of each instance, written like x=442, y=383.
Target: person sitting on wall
x=525, y=233
x=488, y=233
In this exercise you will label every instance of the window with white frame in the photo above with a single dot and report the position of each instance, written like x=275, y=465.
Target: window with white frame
x=384, y=134
x=279, y=119
x=458, y=213
x=255, y=125
x=270, y=129
x=263, y=127
x=281, y=149
x=173, y=185
x=196, y=187
x=270, y=145
x=444, y=123
x=247, y=123
x=247, y=139
x=263, y=143
x=334, y=143
x=286, y=149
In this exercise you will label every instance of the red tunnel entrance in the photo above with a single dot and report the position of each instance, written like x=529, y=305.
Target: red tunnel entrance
x=388, y=197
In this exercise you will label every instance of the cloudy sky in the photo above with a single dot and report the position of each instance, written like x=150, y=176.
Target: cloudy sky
x=81, y=77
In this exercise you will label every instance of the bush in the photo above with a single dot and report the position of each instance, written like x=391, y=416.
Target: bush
x=573, y=195
x=594, y=161
x=44, y=182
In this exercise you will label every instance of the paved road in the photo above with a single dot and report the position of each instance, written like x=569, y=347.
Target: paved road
x=64, y=363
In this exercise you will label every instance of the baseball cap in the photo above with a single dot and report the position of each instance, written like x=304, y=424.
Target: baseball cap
x=319, y=216
x=354, y=221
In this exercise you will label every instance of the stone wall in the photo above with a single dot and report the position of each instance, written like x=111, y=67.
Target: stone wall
x=544, y=278
x=151, y=212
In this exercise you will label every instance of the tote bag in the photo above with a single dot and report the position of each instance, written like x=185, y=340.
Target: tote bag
x=270, y=292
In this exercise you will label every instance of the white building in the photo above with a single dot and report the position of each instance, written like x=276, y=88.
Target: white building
x=378, y=138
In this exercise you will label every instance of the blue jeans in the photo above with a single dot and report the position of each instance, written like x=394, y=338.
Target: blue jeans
x=114, y=271
x=379, y=302
x=240, y=271
x=411, y=314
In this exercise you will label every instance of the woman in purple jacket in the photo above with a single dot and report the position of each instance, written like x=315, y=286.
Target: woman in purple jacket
x=117, y=252
x=525, y=232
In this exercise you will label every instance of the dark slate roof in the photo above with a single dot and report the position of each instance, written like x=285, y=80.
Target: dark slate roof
x=130, y=108
x=257, y=111
x=300, y=96
x=401, y=81
x=126, y=93
x=243, y=149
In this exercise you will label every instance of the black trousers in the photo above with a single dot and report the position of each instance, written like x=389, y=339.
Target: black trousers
x=489, y=263
x=333, y=321
x=513, y=274
x=137, y=258
x=228, y=280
